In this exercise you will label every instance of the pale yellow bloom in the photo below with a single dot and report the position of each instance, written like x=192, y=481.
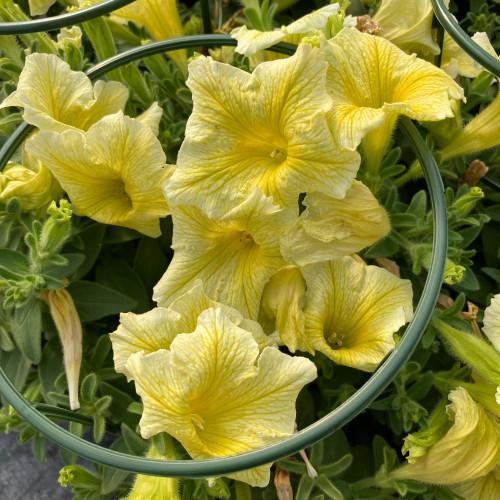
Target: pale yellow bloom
x=486, y=487
x=251, y=41
x=234, y=256
x=281, y=308
x=112, y=173
x=161, y=19
x=56, y=98
x=31, y=183
x=408, y=24
x=39, y=7
x=469, y=450
x=480, y=133
x=263, y=130
x=491, y=322
x=67, y=321
x=353, y=310
x=371, y=82
x=156, y=329
x=229, y=401
x=331, y=229
x=71, y=35
x=457, y=62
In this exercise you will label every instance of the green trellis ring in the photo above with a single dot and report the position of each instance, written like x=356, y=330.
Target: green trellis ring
x=463, y=40
x=320, y=429
x=56, y=22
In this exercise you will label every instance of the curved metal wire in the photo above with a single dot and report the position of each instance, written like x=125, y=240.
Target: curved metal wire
x=57, y=22
x=463, y=39
x=320, y=429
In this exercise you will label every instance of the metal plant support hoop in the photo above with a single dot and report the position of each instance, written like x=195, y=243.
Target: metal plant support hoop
x=463, y=39
x=385, y=373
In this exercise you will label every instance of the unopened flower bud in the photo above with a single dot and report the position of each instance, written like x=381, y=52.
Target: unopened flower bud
x=468, y=201
x=56, y=228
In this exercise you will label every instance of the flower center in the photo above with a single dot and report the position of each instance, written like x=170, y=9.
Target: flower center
x=246, y=238
x=335, y=340
x=198, y=421
x=278, y=154
x=121, y=194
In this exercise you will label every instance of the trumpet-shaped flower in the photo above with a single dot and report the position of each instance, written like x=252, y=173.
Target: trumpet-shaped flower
x=112, y=173
x=31, y=183
x=56, y=98
x=353, y=310
x=229, y=401
x=156, y=329
x=491, y=322
x=469, y=450
x=480, y=133
x=162, y=21
x=263, y=130
x=485, y=487
x=234, y=256
x=251, y=41
x=408, y=25
x=331, y=229
x=371, y=82
x=281, y=308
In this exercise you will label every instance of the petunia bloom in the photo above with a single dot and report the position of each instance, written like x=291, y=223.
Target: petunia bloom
x=372, y=82
x=56, y=98
x=353, y=310
x=156, y=329
x=331, y=229
x=484, y=487
x=263, y=130
x=112, y=173
x=251, y=41
x=491, y=322
x=234, y=256
x=469, y=450
x=162, y=21
x=229, y=401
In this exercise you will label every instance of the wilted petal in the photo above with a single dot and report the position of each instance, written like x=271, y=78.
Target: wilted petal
x=470, y=449
x=56, y=98
x=233, y=256
x=353, y=310
x=263, y=130
x=112, y=173
x=371, y=81
x=331, y=229
x=208, y=392
x=491, y=322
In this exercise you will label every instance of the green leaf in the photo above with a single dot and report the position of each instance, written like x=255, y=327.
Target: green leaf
x=386, y=247
x=112, y=478
x=136, y=445
x=16, y=367
x=149, y=263
x=14, y=261
x=38, y=447
x=306, y=485
x=88, y=387
x=418, y=205
x=6, y=342
x=50, y=367
x=338, y=467
x=73, y=262
x=325, y=484
x=121, y=277
x=119, y=405
x=27, y=330
x=102, y=404
x=99, y=428
x=492, y=273
x=91, y=240
x=101, y=350
x=94, y=301
x=421, y=388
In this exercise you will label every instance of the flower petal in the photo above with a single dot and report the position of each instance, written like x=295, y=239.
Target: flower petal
x=353, y=310
x=223, y=404
x=263, y=130
x=491, y=322
x=330, y=229
x=482, y=488
x=233, y=256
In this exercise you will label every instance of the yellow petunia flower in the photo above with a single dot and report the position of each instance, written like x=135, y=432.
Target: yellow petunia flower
x=161, y=19
x=56, y=98
x=485, y=487
x=112, y=173
x=281, y=308
x=251, y=41
x=234, y=256
x=331, y=229
x=408, y=25
x=156, y=329
x=372, y=82
x=353, y=310
x=491, y=322
x=469, y=450
x=31, y=183
x=263, y=130
x=231, y=400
